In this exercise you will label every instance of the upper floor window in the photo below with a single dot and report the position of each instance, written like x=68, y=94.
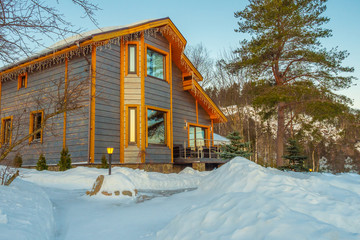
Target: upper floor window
x=22, y=80
x=156, y=64
x=132, y=58
x=36, y=121
x=6, y=128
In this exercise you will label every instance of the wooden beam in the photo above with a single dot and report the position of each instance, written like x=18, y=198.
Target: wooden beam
x=143, y=107
x=122, y=77
x=92, y=104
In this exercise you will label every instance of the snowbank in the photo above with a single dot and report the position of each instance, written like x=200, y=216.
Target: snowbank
x=246, y=201
x=25, y=212
x=83, y=178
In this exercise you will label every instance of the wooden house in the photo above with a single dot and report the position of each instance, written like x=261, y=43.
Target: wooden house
x=143, y=97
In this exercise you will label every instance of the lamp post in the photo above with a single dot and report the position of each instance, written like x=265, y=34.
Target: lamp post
x=110, y=151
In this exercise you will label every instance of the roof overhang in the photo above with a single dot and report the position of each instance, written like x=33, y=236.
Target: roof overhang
x=204, y=100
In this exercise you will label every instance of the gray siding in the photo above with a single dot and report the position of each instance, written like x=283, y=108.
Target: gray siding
x=107, y=113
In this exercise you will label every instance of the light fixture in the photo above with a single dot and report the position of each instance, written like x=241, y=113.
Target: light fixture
x=110, y=151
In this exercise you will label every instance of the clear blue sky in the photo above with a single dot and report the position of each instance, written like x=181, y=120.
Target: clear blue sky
x=212, y=23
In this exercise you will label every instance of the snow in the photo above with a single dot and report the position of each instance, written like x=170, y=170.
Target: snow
x=240, y=200
x=218, y=139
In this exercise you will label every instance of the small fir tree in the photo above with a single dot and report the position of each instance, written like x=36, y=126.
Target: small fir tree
x=65, y=160
x=296, y=160
x=324, y=165
x=17, y=160
x=236, y=148
x=104, y=162
x=41, y=164
x=349, y=166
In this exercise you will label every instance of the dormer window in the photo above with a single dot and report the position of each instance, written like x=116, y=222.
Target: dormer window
x=22, y=81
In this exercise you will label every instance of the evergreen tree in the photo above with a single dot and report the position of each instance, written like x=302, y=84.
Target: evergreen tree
x=296, y=160
x=18, y=160
x=41, y=163
x=104, y=162
x=285, y=48
x=324, y=165
x=65, y=160
x=349, y=165
x=236, y=148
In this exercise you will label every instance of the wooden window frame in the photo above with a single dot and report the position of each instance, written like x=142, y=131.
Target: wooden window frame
x=207, y=133
x=3, y=129
x=166, y=62
x=167, y=125
x=20, y=80
x=127, y=125
x=127, y=58
x=31, y=127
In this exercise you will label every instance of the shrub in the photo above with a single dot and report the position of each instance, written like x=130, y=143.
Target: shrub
x=65, y=160
x=104, y=162
x=41, y=163
x=17, y=162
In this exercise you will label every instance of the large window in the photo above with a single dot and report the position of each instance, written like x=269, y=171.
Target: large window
x=156, y=64
x=132, y=58
x=6, y=128
x=197, y=136
x=156, y=125
x=36, y=120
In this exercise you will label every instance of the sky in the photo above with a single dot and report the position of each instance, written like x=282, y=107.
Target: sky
x=212, y=23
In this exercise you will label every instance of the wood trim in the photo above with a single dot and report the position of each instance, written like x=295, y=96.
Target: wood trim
x=143, y=107
x=166, y=55
x=197, y=112
x=3, y=130
x=31, y=127
x=212, y=131
x=171, y=105
x=167, y=123
x=19, y=80
x=137, y=106
x=122, y=80
x=92, y=103
x=65, y=100
x=127, y=57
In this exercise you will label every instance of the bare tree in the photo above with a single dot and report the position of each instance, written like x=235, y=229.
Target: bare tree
x=23, y=21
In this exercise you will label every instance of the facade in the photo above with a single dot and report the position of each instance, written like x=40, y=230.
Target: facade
x=139, y=94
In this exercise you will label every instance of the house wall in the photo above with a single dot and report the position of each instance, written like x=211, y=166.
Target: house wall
x=107, y=110
x=19, y=104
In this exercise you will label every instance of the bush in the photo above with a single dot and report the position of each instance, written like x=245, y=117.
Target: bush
x=41, y=164
x=17, y=162
x=104, y=162
x=65, y=160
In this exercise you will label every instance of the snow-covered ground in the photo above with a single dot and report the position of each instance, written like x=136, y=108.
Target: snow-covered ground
x=240, y=200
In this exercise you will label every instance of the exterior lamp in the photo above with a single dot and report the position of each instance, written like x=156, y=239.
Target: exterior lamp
x=110, y=151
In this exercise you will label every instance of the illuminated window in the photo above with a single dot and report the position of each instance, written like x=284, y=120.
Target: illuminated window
x=132, y=59
x=155, y=64
x=22, y=81
x=156, y=126
x=36, y=120
x=132, y=125
x=6, y=129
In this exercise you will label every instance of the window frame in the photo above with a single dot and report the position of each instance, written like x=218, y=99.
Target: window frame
x=127, y=58
x=166, y=62
x=207, y=133
x=20, y=76
x=32, y=139
x=137, y=127
x=3, y=120
x=166, y=125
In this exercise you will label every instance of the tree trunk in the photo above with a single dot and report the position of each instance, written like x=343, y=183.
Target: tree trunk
x=313, y=160
x=280, y=134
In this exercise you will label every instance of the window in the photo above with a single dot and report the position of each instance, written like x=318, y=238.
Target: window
x=6, y=129
x=156, y=126
x=36, y=120
x=197, y=136
x=22, y=81
x=132, y=114
x=132, y=63
x=156, y=64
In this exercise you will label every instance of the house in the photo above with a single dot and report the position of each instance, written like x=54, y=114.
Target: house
x=140, y=95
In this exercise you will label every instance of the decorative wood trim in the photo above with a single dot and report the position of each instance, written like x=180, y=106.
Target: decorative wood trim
x=166, y=55
x=197, y=111
x=171, y=105
x=127, y=57
x=122, y=80
x=143, y=107
x=92, y=102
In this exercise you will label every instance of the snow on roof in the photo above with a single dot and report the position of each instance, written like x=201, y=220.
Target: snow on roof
x=77, y=38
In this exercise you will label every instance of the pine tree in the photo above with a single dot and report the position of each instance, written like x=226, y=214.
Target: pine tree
x=18, y=160
x=104, y=162
x=236, y=148
x=324, y=165
x=296, y=160
x=349, y=166
x=41, y=164
x=65, y=160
